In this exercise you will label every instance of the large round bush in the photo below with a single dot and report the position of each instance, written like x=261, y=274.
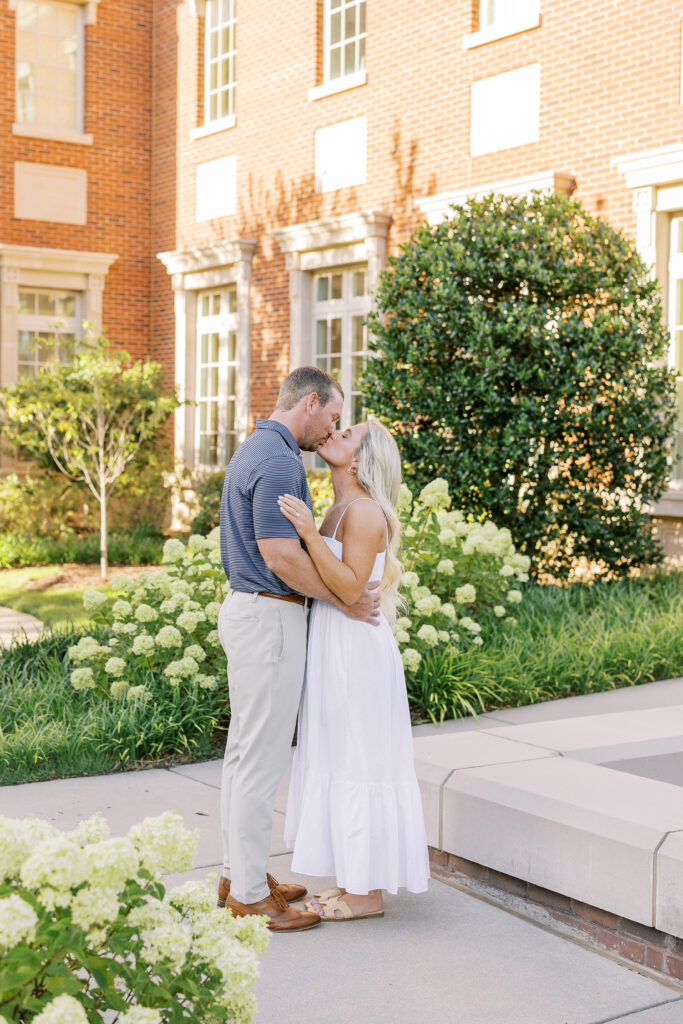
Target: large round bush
x=522, y=358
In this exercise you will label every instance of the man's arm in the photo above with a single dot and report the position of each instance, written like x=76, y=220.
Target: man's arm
x=290, y=563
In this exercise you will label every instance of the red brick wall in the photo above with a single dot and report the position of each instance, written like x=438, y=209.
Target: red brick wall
x=118, y=91
x=610, y=84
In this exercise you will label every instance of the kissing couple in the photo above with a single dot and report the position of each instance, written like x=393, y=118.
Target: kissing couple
x=354, y=810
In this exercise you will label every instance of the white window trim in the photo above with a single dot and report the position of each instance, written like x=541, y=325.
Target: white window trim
x=502, y=31
x=318, y=92
x=53, y=134
x=318, y=245
x=212, y=127
x=437, y=207
x=227, y=323
x=30, y=266
x=89, y=5
x=194, y=270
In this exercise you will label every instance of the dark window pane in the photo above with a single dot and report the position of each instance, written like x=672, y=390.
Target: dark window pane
x=321, y=337
x=335, y=332
x=349, y=58
x=46, y=305
x=27, y=302
x=337, y=280
x=322, y=289
x=335, y=28
x=335, y=63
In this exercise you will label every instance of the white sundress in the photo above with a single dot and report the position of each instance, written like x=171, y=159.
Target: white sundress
x=354, y=809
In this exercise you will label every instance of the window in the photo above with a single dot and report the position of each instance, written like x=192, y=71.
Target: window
x=676, y=326
x=500, y=13
x=219, y=60
x=216, y=429
x=340, y=307
x=49, y=65
x=343, y=38
x=46, y=322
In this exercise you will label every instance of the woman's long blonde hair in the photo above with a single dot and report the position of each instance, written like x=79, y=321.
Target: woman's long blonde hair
x=379, y=474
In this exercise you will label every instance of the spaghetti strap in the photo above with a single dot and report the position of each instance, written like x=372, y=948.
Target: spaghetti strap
x=334, y=535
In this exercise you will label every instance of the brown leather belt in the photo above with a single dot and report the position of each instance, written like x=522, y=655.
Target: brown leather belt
x=294, y=598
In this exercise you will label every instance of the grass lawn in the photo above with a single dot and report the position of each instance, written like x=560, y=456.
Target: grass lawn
x=53, y=607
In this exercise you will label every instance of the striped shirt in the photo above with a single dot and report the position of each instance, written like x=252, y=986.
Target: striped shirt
x=264, y=466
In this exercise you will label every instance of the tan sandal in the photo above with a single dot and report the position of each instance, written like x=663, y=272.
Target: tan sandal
x=329, y=894
x=329, y=908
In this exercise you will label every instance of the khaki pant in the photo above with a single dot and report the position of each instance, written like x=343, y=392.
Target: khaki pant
x=265, y=643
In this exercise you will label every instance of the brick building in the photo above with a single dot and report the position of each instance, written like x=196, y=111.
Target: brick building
x=220, y=181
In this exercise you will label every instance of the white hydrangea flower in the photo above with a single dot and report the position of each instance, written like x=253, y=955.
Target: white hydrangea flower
x=18, y=922
x=174, y=551
x=18, y=837
x=168, y=637
x=198, y=543
x=465, y=594
x=462, y=529
x=183, y=668
x=514, y=596
x=410, y=531
x=449, y=519
x=153, y=913
x=477, y=640
x=214, y=537
x=447, y=537
x=410, y=579
x=145, y=613
x=213, y=639
x=435, y=494
x=140, y=1015
x=164, y=843
x=522, y=577
x=405, y=499
x=86, y=649
x=507, y=570
x=194, y=898
x=62, y=1010
x=411, y=658
x=113, y=643
x=190, y=620
x=237, y=962
x=446, y=567
x=122, y=609
x=428, y=605
x=448, y=610
x=57, y=862
x=428, y=635
x=143, y=644
x=444, y=636
x=138, y=693
x=470, y=625
x=115, y=667
x=82, y=679
x=207, y=682
x=118, y=689
x=404, y=622
x=196, y=652
x=402, y=636
x=212, y=611
x=120, y=581
x=421, y=591
x=215, y=556
x=91, y=830
x=92, y=905
x=179, y=586
x=498, y=610
x=111, y=863
x=511, y=621
x=93, y=599
x=125, y=628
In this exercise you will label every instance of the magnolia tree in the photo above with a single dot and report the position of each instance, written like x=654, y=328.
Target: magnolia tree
x=523, y=358
x=90, y=415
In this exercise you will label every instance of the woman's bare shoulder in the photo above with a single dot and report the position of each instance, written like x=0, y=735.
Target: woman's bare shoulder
x=363, y=517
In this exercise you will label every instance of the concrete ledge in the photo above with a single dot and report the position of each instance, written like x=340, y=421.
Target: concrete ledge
x=540, y=802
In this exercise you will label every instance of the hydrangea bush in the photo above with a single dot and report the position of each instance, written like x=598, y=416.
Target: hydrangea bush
x=159, y=629
x=461, y=580
x=88, y=932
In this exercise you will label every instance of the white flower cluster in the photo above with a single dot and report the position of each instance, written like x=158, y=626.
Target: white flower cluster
x=162, y=626
x=164, y=844
x=18, y=922
x=62, y=1010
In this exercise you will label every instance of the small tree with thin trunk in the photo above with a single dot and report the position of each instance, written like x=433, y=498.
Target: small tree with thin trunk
x=88, y=417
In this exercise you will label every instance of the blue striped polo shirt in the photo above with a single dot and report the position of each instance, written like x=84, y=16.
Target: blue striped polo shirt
x=264, y=466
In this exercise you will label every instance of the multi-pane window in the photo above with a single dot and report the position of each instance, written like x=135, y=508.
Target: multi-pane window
x=219, y=60
x=495, y=13
x=47, y=323
x=49, y=65
x=676, y=326
x=217, y=426
x=340, y=308
x=343, y=38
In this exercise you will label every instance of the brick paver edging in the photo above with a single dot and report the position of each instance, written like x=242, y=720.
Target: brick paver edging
x=648, y=947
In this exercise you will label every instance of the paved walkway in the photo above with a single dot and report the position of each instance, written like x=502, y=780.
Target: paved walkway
x=445, y=956
x=13, y=623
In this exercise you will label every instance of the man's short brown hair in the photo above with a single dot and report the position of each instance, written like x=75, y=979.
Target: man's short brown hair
x=304, y=381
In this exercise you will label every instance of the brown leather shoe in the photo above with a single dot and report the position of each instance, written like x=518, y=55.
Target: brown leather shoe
x=289, y=891
x=281, y=917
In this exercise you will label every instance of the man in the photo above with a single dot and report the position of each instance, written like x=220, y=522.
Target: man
x=263, y=626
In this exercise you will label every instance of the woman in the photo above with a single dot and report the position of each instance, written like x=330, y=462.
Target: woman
x=354, y=808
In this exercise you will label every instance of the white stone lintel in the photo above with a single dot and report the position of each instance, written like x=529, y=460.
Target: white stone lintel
x=62, y=261
x=333, y=231
x=436, y=207
x=180, y=262
x=651, y=166
x=90, y=8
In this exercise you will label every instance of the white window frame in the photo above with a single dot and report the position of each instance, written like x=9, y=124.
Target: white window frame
x=675, y=323
x=194, y=271
x=345, y=80
x=527, y=17
x=87, y=15
x=230, y=54
x=224, y=323
x=46, y=325
x=344, y=309
x=354, y=239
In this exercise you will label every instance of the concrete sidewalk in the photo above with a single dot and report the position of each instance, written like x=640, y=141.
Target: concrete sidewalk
x=443, y=956
x=16, y=624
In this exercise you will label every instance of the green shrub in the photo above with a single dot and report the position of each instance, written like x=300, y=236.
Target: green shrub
x=142, y=545
x=521, y=347
x=88, y=932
